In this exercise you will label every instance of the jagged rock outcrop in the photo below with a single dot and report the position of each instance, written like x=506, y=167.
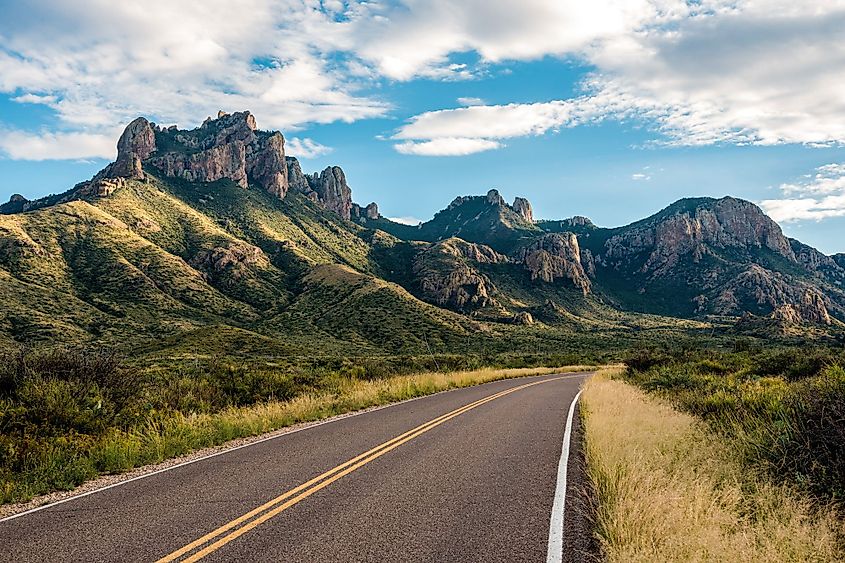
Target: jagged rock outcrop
x=577, y=221
x=267, y=165
x=227, y=147
x=688, y=229
x=480, y=253
x=102, y=187
x=523, y=318
x=370, y=212
x=523, y=207
x=135, y=145
x=333, y=192
x=234, y=261
x=446, y=277
x=554, y=256
x=588, y=262
x=495, y=198
x=767, y=291
x=296, y=179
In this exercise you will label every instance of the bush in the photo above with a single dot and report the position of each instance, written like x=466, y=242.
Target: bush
x=60, y=390
x=784, y=408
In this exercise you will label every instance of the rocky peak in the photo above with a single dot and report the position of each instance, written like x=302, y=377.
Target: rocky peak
x=228, y=147
x=371, y=211
x=695, y=228
x=577, y=221
x=494, y=198
x=332, y=191
x=135, y=145
x=523, y=208
x=16, y=204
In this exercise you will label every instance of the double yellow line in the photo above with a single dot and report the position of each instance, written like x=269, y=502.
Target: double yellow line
x=254, y=518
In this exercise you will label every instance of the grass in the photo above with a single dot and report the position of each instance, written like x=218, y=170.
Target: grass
x=669, y=489
x=78, y=422
x=782, y=409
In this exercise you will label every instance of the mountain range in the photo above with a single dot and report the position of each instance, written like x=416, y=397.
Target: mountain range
x=192, y=238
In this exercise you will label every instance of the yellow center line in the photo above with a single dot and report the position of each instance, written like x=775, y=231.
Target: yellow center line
x=321, y=481
x=269, y=504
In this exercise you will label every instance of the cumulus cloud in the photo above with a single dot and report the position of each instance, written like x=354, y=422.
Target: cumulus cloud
x=470, y=101
x=447, y=146
x=412, y=221
x=816, y=196
x=698, y=73
x=415, y=37
x=305, y=148
x=747, y=72
x=22, y=145
x=177, y=62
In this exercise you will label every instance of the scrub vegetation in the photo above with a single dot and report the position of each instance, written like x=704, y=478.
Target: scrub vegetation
x=67, y=416
x=669, y=488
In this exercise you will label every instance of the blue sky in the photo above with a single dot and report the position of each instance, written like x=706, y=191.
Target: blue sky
x=611, y=110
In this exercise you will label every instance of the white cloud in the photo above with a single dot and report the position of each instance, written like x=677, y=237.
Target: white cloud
x=415, y=37
x=305, y=148
x=412, y=221
x=21, y=145
x=698, y=72
x=741, y=72
x=470, y=101
x=820, y=195
x=639, y=176
x=447, y=146
x=177, y=62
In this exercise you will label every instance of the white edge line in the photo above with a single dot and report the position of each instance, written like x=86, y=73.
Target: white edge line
x=277, y=434
x=555, y=551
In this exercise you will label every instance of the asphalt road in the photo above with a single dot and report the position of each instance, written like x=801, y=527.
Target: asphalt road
x=466, y=475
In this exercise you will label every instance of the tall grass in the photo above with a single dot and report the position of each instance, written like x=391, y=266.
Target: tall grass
x=63, y=460
x=784, y=410
x=668, y=489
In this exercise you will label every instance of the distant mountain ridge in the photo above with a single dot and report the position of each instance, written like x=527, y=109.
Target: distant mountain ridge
x=217, y=229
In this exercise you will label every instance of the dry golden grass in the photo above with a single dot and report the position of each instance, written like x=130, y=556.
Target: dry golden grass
x=669, y=490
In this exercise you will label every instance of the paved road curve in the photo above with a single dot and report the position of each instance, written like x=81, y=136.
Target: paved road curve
x=468, y=475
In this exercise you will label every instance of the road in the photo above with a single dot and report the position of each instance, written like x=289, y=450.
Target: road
x=466, y=475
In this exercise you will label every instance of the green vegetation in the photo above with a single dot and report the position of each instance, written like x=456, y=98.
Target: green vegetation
x=667, y=488
x=67, y=416
x=782, y=409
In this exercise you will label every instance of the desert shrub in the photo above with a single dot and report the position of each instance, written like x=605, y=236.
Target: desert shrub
x=643, y=359
x=64, y=389
x=815, y=437
x=784, y=409
x=794, y=363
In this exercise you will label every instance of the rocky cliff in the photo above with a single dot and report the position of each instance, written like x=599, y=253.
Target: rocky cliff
x=555, y=256
x=228, y=147
x=446, y=275
x=692, y=229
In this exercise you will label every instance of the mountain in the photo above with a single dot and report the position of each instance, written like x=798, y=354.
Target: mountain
x=214, y=239
x=482, y=219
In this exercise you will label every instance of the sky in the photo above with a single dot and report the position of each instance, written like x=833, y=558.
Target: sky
x=611, y=109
